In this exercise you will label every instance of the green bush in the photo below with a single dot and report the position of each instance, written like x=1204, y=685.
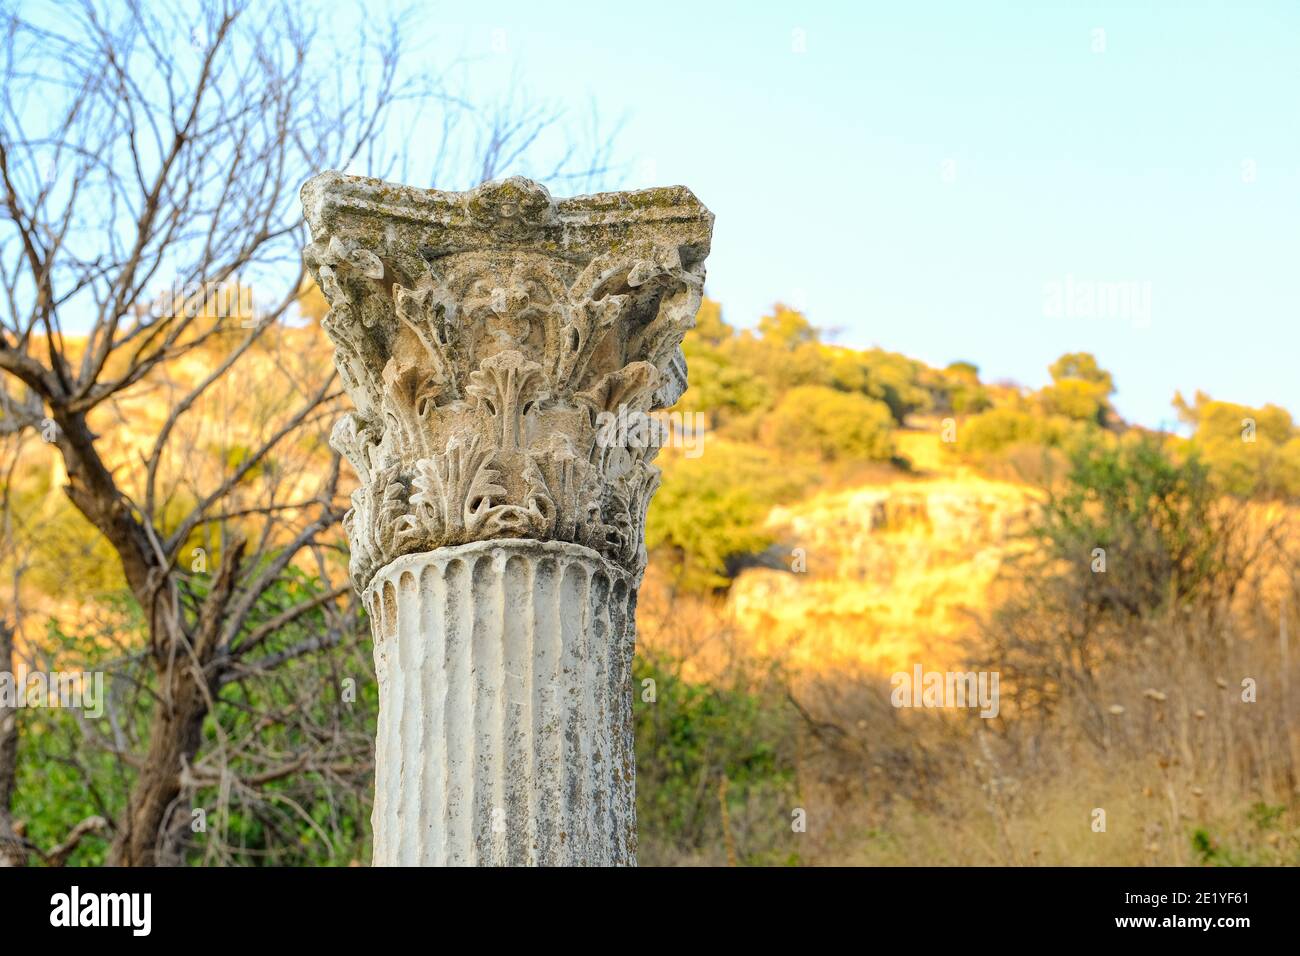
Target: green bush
x=1153, y=515
x=1080, y=390
x=315, y=818
x=1075, y=399
x=830, y=424
x=1250, y=451
x=721, y=388
x=888, y=377
x=999, y=429
x=689, y=737
x=711, y=508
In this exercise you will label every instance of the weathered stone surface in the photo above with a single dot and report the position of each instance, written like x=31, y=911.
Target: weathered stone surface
x=498, y=534
x=505, y=722
x=480, y=335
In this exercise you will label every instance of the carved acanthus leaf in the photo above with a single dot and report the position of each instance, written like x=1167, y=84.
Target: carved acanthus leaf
x=563, y=497
x=630, y=496
x=427, y=311
x=458, y=496
x=373, y=524
x=352, y=439
x=628, y=389
x=507, y=387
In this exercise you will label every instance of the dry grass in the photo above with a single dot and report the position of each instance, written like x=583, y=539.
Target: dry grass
x=1160, y=738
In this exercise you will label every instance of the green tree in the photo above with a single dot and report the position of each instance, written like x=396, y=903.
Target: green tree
x=1129, y=532
x=960, y=385
x=720, y=386
x=1153, y=515
x=1250, y=451
x=831, y=424
x=896, y=380
x=1082, y=366
x=710, y=328
x=1080, y=389
x=787, y=329
x=784, y=351
x=712, y=508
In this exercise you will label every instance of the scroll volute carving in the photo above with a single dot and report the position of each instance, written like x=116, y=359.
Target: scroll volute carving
x=481, y=337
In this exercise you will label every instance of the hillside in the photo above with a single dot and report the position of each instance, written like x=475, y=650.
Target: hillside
x=840, y=515
x=824, y=509
x=892, y=571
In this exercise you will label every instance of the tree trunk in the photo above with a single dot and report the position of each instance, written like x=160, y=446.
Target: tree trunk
x=93, y=490
x=175, y=732
x=187, y=684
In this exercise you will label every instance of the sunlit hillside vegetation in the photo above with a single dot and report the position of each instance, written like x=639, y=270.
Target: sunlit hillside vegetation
x=792, y=416
x=855, y=513
x=850, y=513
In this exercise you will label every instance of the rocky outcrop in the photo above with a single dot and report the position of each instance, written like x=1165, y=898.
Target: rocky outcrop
x=880, y=577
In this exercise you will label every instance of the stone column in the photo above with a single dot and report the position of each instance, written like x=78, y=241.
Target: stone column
x=491, y=342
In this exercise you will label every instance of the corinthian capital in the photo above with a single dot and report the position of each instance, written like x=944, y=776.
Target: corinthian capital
x=480, y=336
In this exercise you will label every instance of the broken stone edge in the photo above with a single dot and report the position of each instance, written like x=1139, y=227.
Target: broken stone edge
x=496, y=213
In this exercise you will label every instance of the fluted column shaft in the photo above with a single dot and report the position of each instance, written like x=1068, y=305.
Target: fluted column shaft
x=505, y=720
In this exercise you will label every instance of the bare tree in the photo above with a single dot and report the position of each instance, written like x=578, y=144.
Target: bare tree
x=127, y=162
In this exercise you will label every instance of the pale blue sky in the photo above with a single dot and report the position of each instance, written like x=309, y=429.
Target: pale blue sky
x=924, y=175
x=919, y=174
